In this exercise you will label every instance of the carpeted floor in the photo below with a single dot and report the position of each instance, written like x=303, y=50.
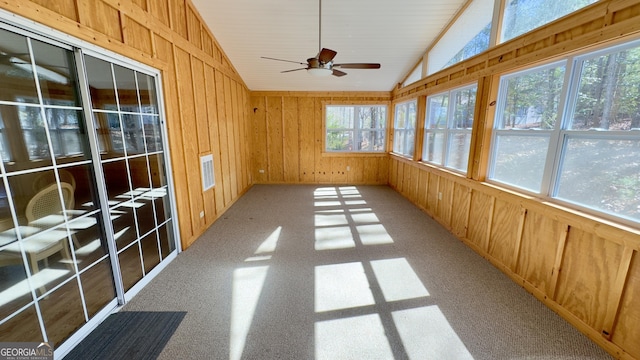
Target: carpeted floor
x=326, y=272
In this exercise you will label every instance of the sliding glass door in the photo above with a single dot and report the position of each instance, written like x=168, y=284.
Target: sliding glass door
x=85, y=210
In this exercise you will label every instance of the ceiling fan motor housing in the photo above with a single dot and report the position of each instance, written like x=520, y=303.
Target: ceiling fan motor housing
x=314, y=63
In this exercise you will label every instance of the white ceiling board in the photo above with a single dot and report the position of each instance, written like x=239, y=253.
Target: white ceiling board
x=392, y=33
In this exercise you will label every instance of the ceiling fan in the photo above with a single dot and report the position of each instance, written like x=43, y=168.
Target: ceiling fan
x=322, y=64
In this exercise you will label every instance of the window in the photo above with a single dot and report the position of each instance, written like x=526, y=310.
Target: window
x=405, y=128
x=355, y=128
x=526, y=116
x=469, y=35
x=521, y=16
x=415, y=75
x=599, y=166
x=582, y=148
x=447, y=130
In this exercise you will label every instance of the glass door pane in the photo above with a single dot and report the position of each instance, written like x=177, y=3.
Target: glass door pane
x=126, y=117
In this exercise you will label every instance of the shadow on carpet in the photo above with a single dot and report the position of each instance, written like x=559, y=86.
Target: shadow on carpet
x=131, y=335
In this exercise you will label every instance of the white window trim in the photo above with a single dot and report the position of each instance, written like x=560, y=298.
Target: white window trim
x=448, y=130
x=405, y=129
x=356, y=129
x=559, y=134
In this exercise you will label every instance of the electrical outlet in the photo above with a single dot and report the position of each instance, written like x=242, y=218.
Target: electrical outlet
x=440, y=196
x=201, y=214
x=348, y=168
x=261, y=171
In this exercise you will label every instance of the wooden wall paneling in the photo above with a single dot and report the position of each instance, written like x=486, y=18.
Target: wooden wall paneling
x=432, y=194
x=208, y=44
x=259, y=151
x=423, y=185
x=407, y=183
x=274, y=138
x=189, y=131
x=243, y=108
x=445, y=201
x=557, y=263
x=202, y=130
x=540, y=237
x=338, y=170
x=626, y=333
x=101, y=17
x=518, y=239
x=400, y=177
x=306, y=110
x=415, y=181
x=356, y=170
x=160, y=10
x=214, y=136
x=291, y=140
x=323, y=164
x=586, y=278
x=236, y=100
x=141, y=3
x=224, y=143
x=230, y=96
x=200, y=98
x=383, y=172
x=460, y=210
x=136, y=35
x=370, y=170
x=178, y=17
x=491, y=218
x=393, y=173
x=504, y=231
x=66, y=8
x=617, y=288
x=194, y=27
x=164, y=51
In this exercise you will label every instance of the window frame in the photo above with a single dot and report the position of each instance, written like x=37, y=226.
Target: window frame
x=356, y=131
x=561, y=134
x=406, y=129
x=448, y=130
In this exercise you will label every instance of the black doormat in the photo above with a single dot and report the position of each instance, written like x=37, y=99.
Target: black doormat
x=128, y=335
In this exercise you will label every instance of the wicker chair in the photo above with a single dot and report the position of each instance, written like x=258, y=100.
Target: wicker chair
x=46, y=178
x=41, y=247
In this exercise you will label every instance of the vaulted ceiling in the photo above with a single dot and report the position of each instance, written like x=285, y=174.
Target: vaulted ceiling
x=392, y=33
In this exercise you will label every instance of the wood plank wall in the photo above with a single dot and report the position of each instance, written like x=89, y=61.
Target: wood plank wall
x=287, y=141
x=206, y=102
x=584, y=268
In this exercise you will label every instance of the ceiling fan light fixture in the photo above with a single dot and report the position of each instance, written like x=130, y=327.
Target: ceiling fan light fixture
x=319, y=72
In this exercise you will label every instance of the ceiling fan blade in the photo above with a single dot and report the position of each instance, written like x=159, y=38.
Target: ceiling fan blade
x=338, y=73
x=286, y=71
x=295, y=62
x=358, y=66
x=326, y=55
